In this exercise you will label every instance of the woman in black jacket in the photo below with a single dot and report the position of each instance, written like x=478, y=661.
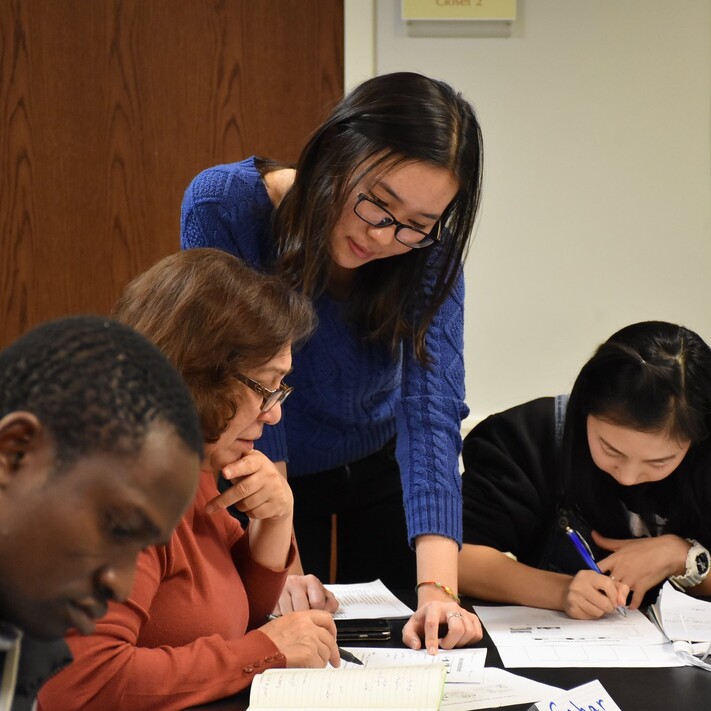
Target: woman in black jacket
x=626, y=462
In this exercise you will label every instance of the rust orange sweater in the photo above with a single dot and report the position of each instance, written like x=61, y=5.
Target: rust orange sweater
x=183, y=637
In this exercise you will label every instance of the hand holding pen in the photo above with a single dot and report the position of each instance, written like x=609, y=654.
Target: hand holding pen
x=297, y=632
x=586, y=556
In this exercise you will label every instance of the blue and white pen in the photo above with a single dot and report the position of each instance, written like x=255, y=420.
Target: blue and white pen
x=586, y=554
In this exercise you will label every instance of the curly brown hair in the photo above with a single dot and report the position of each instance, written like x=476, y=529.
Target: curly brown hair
x=213, y=317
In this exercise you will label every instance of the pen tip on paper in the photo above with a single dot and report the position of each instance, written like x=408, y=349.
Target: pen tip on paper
x=349, y=657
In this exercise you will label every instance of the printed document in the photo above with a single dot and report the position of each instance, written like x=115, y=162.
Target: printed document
x=531, y=637
x=367, y=601
x=462, y=665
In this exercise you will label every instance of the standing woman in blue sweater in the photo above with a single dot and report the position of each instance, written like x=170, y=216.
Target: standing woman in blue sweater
x=373, y=224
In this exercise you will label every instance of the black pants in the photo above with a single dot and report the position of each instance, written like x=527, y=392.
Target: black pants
x=371, y=533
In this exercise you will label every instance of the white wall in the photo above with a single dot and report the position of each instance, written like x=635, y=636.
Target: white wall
x=597, y=196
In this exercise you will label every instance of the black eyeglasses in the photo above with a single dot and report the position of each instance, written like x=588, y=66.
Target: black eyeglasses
x=376, y=215
x=269, y=397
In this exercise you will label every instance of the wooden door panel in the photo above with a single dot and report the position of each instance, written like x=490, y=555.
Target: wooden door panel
x=109, y=108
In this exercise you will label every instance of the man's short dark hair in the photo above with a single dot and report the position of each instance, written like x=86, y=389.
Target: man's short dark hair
x=97, y=386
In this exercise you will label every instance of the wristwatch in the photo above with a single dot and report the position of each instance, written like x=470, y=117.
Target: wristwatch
x=698, y=562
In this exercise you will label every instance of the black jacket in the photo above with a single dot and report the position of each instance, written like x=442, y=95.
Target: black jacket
x=515, y=499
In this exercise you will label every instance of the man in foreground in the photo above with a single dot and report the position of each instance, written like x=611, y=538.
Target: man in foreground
x=100, y=447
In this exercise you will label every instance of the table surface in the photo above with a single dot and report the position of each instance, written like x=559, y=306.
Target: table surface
x=636, y=689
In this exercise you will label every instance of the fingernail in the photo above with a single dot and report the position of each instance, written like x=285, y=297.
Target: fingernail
x=432, y=649
x=210, y=508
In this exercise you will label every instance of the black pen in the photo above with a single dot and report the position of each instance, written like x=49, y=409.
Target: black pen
x=344, y=654
x=347, y=656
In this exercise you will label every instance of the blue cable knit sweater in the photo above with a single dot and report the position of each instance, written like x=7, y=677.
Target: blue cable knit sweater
x=350, y=397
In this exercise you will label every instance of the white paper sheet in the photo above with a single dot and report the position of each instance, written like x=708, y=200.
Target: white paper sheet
x=498, y=688
x=367, y=601
x=463, y=665
x=531, y=637
x=587, y=655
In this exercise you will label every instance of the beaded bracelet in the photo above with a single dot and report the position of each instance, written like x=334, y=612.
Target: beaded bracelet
x=441, y=587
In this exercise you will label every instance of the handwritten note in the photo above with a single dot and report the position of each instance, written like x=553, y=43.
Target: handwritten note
x=588, y=697
x=349, y=689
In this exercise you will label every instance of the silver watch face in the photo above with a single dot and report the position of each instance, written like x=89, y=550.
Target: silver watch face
x=702, y=563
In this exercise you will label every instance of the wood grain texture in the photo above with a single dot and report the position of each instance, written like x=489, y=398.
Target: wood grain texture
x=108, y=108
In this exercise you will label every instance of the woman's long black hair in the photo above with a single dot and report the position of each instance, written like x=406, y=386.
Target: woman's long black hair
x=651, y=376
x=385, y=121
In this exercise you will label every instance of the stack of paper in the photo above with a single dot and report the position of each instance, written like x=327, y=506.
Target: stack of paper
x=686, y=621
x=468, y=684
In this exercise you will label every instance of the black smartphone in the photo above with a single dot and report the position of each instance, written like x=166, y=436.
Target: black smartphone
x=362, y=630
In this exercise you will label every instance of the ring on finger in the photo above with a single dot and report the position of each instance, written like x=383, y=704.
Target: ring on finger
x=454, y=614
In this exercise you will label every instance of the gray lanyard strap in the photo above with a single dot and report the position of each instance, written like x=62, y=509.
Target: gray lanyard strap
x=561, y=404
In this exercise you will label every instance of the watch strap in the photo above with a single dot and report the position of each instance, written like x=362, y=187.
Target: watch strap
x=693, y=575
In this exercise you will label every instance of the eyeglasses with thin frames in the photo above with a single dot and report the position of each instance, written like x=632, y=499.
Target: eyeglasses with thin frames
x=270, y=398
x=376, y=215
